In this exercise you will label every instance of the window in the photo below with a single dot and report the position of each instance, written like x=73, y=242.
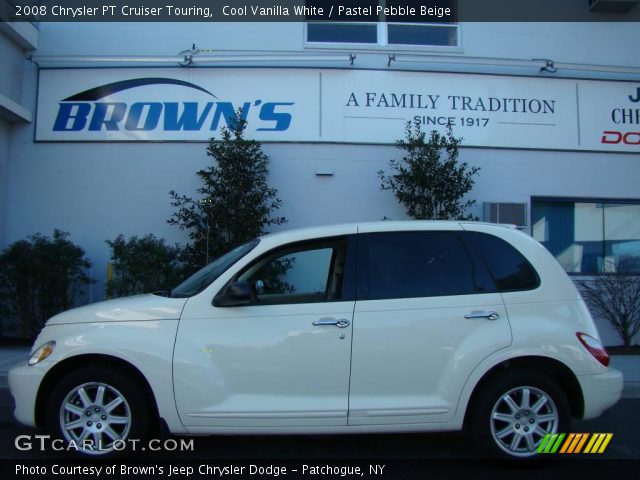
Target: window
x=589, y=236
x=306, y=273
x=383, y=30
x=510, y=270
x=418, y=264
x=327, y=32
x=207, y=275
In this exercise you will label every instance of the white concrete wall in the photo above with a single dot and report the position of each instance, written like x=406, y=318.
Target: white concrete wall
x=14, y=41
x=5, y=130
x=589, y=43
x=12, y=63
x=166, y=38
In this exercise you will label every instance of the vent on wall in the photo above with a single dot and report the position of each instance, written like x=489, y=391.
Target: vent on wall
x=611, y=6
x=512, y=213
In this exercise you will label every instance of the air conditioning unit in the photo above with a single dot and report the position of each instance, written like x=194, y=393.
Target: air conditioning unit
x=511, y=213
x=611, y=6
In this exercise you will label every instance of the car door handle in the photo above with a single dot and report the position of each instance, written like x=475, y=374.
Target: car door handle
x=340, y=323
x=482, y=314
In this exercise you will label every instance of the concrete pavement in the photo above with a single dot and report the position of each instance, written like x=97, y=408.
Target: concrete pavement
x=9, y=356
x=629, y=365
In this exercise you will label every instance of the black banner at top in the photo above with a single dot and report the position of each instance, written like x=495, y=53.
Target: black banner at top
x=406, y=11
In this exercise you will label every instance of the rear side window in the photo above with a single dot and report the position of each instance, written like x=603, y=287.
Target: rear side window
x=510, y=270
x=417, y=264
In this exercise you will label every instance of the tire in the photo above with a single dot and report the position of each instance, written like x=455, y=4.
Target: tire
x=512, y=414
x=97, y=411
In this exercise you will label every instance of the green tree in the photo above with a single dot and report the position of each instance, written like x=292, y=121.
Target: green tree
x=234, y=203
x=429, y=180
x=143, y=265
x=40, y=277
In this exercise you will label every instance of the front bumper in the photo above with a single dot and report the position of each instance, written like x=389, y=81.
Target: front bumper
x=600, y=391
x=24, y=381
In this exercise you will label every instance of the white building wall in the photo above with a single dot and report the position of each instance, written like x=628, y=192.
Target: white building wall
x=12, y=63
x=5, y=130
x=589, y=43
x=15, y=40
x=167, y=38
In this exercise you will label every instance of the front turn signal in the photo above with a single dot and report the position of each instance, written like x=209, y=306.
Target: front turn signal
x=41, y=353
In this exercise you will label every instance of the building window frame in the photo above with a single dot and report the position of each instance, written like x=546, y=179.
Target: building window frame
x=382, y=37
x=606, y=262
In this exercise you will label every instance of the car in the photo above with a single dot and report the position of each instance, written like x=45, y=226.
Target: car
x=409, y=326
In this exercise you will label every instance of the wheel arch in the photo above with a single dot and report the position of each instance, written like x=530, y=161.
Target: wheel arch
x=63, y=368
x=554, y=369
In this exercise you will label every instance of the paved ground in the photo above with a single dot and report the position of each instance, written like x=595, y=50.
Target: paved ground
x=9, y=356
x=629, y=365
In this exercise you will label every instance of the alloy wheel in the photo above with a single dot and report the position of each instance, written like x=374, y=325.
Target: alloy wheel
x=521, y=418
x=96, y=418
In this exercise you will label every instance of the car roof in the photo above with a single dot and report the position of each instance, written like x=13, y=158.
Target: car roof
x=369, y=227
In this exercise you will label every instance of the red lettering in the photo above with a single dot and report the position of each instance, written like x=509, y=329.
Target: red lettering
x=615, y=138
x=611, y=137
x=632, y=135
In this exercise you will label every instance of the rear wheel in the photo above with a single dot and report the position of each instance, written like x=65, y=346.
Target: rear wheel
x=97, y=411
x=513, y=414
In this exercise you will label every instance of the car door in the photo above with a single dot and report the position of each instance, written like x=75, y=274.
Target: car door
x=281, y=361
x=427, y=314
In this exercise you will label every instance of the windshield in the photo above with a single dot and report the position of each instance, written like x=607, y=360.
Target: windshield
x=205, y=276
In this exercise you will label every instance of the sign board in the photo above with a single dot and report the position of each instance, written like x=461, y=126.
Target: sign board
x=343, y=106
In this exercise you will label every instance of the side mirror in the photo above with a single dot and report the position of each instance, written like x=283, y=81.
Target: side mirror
x=235, y=295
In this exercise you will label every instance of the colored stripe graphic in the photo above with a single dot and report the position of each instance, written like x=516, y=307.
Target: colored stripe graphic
x=573, y=443
x=598, y=442
x=583, y=440
x=543, y=443
x=606, y=441
x=558, y=442
x=571, y=440
x=551, y=443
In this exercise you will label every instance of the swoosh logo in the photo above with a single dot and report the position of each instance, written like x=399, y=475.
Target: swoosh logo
x=97, y=93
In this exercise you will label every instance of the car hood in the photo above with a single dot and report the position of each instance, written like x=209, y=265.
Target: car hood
x=130, y=309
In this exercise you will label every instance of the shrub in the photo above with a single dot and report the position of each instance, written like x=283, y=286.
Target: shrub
x=429, y=181
x=615, y=297
x=234, y=203
x=40, y=277
x=143, y=265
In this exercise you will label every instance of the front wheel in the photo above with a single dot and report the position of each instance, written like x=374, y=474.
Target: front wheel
x=514, y=413
x=97, y=411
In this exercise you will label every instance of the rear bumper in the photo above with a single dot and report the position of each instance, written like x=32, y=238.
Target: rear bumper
x=600, y=391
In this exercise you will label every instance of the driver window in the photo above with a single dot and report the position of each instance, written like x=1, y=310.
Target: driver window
x=302, y=275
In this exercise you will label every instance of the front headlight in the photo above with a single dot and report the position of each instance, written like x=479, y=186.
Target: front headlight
x=41, y=353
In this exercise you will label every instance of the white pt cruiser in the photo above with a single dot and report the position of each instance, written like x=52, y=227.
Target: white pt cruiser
x=382, y=327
